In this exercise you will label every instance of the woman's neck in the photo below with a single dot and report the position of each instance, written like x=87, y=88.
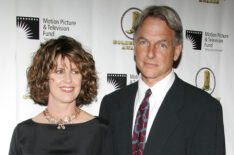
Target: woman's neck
x=61, y=110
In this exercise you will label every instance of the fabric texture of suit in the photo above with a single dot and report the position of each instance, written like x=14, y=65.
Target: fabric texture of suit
x=189, y=122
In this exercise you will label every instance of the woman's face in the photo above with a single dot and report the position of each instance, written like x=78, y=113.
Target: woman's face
x=64, y=82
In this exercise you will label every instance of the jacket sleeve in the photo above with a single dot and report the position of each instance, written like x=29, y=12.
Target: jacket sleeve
x=104, y=110
x=220, y=137
x=107, y=146
x=209, y=138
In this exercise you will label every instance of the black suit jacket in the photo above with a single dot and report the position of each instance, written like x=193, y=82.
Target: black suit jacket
x=189, y=122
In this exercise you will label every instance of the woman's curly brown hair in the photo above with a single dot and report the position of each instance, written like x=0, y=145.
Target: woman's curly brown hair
x=45, y=61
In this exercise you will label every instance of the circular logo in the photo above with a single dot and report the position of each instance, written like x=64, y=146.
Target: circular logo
x=128, y=21
x=205, y=79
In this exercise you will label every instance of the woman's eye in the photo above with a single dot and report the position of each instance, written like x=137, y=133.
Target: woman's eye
x=75, y=72
x=59, y=71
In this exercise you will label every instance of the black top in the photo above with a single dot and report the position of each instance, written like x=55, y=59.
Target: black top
x=90, y=138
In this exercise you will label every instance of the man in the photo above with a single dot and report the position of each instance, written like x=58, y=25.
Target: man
x=182, y=119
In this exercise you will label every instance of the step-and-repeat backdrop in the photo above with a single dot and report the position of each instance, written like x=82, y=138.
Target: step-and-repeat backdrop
x=104, y=28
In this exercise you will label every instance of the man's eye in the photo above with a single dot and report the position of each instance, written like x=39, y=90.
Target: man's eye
x=163, y=45
x=142, y=42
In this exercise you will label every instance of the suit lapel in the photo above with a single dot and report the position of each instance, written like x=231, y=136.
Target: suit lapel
x=166, y=119
x=126, y=113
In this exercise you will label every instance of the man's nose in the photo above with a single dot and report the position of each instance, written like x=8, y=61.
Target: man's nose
x=151, y=51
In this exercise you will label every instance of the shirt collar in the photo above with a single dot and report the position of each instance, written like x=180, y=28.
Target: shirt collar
x=160, y=87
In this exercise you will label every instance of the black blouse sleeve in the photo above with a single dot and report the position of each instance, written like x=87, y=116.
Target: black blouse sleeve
x=14, y=147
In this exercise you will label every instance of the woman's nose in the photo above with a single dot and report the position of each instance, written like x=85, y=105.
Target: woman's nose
x=68, y=77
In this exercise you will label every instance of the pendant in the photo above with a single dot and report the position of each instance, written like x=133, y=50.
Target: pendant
x=61, y=126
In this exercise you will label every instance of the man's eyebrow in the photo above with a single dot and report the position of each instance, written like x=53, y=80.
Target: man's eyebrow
x=163, y=41
x=159, y=41
x=140, y=38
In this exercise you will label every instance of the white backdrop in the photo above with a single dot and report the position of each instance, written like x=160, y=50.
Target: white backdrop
x=100, y=25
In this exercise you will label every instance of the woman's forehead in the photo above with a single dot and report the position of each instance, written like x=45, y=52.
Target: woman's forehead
x=65, y=62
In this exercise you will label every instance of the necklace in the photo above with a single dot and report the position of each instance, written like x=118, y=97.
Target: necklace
x=60, y=122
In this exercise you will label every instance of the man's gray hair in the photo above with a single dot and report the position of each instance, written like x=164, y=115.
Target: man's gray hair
x=165, y=13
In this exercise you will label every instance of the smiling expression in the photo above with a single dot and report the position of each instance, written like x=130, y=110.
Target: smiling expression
x=64, y=82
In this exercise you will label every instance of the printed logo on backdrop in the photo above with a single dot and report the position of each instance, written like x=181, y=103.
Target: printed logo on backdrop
x=133, y=78
x=207, y=41
x=213, y=41
x=27, y=27
x=116, y=81
x=127, y=23
x=210, y=1
x=205, y=79
x=195, y=37
x=54, y=27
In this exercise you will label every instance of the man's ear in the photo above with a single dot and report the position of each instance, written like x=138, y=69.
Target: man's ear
x=178, y=50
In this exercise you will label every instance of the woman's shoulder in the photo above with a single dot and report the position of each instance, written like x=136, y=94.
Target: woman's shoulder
x=86, y=117
x=25, y=124
x=102, y=121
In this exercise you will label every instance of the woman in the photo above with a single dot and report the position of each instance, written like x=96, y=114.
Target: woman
x=62, y=77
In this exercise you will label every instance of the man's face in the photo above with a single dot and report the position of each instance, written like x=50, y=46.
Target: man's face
x=154, y=50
